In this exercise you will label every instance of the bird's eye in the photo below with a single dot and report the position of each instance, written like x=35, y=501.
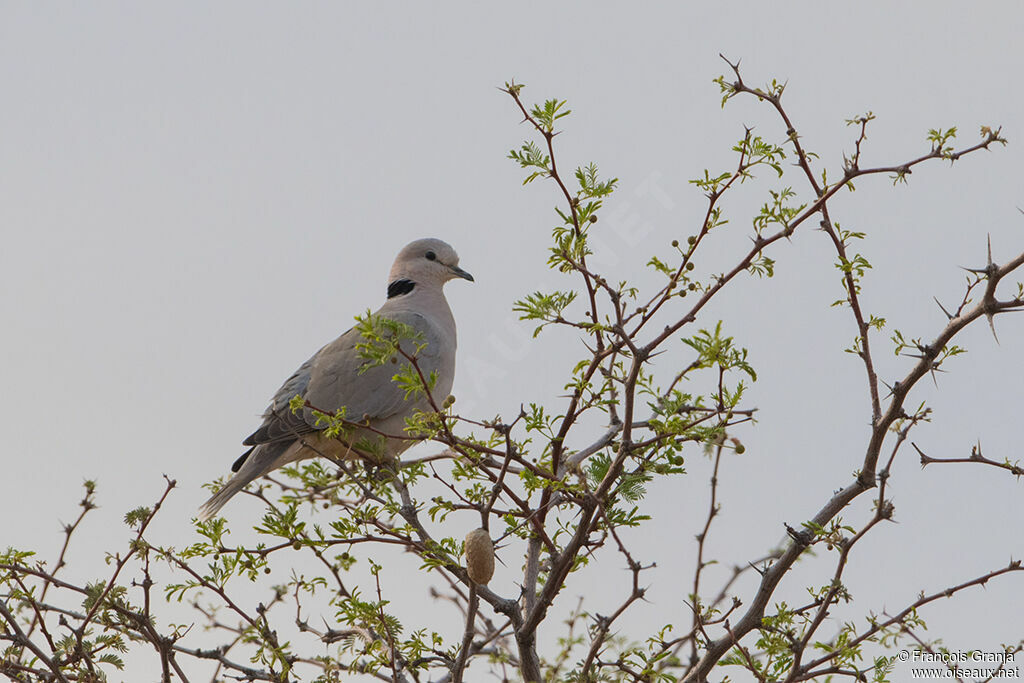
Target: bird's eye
x=431, y=256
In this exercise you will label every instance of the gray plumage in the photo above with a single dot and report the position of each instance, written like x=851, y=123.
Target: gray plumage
x=332, y=379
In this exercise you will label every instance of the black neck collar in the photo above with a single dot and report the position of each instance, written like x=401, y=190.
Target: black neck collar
x=400, y=287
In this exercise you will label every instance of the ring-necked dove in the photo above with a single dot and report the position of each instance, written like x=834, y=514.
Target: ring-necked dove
x=331, y=379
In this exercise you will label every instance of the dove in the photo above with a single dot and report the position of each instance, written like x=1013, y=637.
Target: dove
x=337, y=377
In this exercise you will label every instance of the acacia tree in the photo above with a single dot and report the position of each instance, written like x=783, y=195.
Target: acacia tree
x=307, y=602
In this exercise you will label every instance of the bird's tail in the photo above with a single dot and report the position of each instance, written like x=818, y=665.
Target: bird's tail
x=260, y=460
x=211, y=507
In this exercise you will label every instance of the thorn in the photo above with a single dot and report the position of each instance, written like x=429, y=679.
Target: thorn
x=992, y=325
x=891, y=387
x=802, y=538
x=733, y=66
x=990, y=263
x=948, y=314
x=924, y=458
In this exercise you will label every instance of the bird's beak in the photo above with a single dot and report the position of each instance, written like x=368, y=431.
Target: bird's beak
x=459, y=272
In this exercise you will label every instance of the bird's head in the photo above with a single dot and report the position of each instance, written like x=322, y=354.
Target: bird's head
x=427, y=262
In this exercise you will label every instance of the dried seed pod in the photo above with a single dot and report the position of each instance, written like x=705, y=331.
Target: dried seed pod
x=479, y=556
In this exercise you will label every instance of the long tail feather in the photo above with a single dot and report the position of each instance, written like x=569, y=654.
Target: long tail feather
x=260, y=460
x=211, y=507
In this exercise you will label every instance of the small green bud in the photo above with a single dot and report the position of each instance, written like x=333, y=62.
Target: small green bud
x=740, y=449
x=675, y=243
x=593, y=218
x=691, y=239
x=689, y=266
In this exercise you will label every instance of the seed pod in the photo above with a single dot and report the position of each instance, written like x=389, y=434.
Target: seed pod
x=479, y=556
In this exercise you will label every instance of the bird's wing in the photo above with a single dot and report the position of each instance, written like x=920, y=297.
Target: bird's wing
x=340, y=376
x=331, y=379
x=279, y=422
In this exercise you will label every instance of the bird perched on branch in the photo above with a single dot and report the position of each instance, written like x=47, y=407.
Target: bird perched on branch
x=337, y=378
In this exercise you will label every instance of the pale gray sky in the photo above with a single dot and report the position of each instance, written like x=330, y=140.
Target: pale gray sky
x=195, y=197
